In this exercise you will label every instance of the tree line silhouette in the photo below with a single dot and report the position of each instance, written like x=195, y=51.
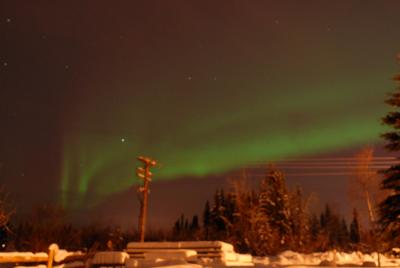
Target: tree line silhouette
x=270, y=219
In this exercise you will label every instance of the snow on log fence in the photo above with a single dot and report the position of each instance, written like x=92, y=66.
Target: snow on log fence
x=188, y=254
x=53, y=258
x=192, y=251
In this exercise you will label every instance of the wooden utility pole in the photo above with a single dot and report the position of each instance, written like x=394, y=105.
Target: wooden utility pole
x=144, y=174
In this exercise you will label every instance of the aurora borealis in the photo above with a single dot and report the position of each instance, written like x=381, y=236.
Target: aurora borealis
x=203, y=87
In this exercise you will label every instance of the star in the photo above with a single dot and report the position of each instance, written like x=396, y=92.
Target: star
x=189, y=78
x=8, y=20
x=122, y=139
x=5, y=64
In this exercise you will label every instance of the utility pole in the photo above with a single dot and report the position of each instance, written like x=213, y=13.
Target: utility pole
x=144, y=174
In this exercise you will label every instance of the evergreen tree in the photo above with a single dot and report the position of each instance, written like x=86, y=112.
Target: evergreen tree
x=343, y=235
x=206, y=220
x=218, y=211
x=260, y=223
x=331, y=229
x=314, y=227
x=230, y=208
x=389, y=209
x=179, y=227
x=247, y=221
x=184, y=229
x=299, y=219
x=355, y=229
x=186, y=225
x=194, y=225
x=326, y=217
x=334, y=232
x=274, y=201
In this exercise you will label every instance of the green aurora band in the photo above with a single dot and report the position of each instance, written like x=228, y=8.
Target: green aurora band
x=193, y=142
x=207, y=89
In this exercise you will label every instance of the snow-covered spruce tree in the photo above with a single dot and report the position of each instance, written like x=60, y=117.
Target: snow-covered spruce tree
x=389, y=208
x=217, y=216
x=248, y=221
x=300, y=219
x=275, y=204
x=218, y=219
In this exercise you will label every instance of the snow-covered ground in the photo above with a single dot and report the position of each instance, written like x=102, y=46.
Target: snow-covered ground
x=181, y=259
x=26, y=259
x=330, y=258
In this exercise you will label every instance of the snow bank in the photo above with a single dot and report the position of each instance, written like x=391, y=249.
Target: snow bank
x=186, y=265
x=133, y=263
x=23, y=254
x=63, y=254
x=37, y=266
x=202, y=252
x=171, y=254
x=15, y=257
x=61, y=258
x=65, y=265
x=290, y=258
x=215, y=257
x=110, y=258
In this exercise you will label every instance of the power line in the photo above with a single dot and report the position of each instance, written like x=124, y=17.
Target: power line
x=322, y=167
x=313, y=167
x=327, y=159
x=310, y=174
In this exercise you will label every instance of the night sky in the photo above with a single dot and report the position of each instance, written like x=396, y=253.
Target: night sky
x=204, y=87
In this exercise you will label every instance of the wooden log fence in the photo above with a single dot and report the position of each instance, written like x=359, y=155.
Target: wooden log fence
x=49, y=259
